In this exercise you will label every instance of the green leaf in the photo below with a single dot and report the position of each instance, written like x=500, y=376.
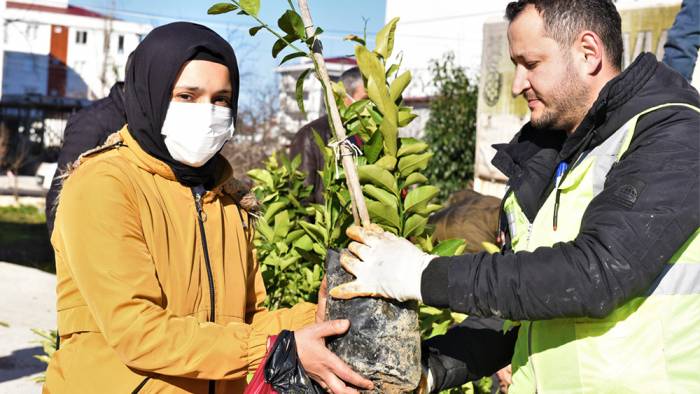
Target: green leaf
x=280, y=44
x=274, y=208
x=385, y=39
x=381, y=195
x=382, y=214
x=410, y=146
x=282, y=225
x=310, y=41
x=414, y=179
x=387, y=162
x=428, y=209
x=449, y=247
x=411, y=163
x=406, y=117
x=390, y=133
x=263, y=177
x=418, y=197
x=262, y=228
x=315, y=231
x=254, y=30
x=373, y=147
x=292, y=56
x=304, y=243
x=392, y=70
x=399, y=85
x=299, y=91
x=373, y=70
x=251, y=7
x=378, y=177
x=293, y=236
x=490, y=248
x=414, y=225
x=353, y=37
x=221, y=8
x=290, y=22
x=358, y=106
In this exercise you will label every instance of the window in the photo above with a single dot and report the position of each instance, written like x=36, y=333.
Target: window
x=31, y=31
x=80, y=37
x=120, y=44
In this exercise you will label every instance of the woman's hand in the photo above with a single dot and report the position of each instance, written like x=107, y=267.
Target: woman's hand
x=321, y=364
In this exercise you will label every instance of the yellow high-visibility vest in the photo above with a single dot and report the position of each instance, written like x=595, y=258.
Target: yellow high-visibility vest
x=650, y=344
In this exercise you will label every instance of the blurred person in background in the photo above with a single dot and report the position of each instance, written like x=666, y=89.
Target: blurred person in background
x=304, y=143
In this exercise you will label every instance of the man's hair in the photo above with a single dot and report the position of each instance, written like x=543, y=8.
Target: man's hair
x=352, y=79
x=565, y=19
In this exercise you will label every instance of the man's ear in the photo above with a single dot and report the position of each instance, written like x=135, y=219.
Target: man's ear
x=590, y=51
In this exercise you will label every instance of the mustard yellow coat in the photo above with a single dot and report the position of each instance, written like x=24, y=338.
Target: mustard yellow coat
x=133, y=293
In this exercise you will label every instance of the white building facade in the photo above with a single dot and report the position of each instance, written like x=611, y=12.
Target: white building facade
x=55, y=49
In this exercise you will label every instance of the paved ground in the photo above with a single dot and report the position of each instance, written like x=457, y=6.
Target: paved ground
x=27, y=300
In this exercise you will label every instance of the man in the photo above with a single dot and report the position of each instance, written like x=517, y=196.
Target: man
x=85, y=130
x=600, y=276
x=304, y=143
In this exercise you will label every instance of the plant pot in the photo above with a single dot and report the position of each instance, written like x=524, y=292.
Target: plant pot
x=383, y=342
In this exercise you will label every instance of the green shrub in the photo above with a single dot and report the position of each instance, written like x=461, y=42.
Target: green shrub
x=451, y=127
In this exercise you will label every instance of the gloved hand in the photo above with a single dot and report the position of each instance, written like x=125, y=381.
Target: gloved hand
x=388, y=266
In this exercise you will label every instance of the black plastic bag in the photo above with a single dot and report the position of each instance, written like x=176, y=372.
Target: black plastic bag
x=283, y=370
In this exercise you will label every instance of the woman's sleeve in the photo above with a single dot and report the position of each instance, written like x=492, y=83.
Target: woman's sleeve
x=107, y=257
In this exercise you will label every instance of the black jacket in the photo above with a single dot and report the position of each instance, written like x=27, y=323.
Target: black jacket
x=312, y=161
x=623, y=243
x=85, y=130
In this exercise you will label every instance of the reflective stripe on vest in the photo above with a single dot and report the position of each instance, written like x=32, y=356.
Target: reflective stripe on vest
x=649, y=344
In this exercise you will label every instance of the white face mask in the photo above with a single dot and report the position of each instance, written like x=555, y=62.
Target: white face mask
x=195, y=132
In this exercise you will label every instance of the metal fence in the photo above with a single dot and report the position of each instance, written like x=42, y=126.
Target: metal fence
x=31, y=130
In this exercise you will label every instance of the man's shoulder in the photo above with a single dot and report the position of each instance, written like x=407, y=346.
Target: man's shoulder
x=319, y=125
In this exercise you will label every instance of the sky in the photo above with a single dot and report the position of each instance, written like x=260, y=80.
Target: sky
x=337, y=17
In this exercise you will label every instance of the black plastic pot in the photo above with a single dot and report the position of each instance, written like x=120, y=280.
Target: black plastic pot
x=383, y=342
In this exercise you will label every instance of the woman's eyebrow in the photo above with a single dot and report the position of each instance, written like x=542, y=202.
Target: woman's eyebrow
x=190, y=88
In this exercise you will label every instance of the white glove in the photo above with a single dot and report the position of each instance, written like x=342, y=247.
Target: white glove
x=388, y=266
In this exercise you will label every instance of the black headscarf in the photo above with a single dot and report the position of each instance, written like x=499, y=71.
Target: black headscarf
x=150, y=78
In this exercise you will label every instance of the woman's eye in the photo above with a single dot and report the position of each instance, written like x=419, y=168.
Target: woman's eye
x=184, y=96
x=222, y=101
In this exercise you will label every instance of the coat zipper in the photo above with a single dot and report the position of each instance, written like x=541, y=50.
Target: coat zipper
x=197, y=193
x=529, y=355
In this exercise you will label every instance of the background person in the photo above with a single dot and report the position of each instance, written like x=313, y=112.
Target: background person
x=304, y=143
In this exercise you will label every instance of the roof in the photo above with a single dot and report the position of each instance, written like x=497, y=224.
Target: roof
x=341, y=60
x=70, y=10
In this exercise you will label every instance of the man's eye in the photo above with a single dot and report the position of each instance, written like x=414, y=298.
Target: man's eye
x=531, y=65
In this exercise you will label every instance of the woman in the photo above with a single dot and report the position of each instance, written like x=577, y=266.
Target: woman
x=158, y=289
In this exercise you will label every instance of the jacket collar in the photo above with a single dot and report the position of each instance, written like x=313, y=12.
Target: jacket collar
x=530, y=159
x=152, y=165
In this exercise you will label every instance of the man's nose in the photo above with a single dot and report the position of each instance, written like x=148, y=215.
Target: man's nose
x=520, y=81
